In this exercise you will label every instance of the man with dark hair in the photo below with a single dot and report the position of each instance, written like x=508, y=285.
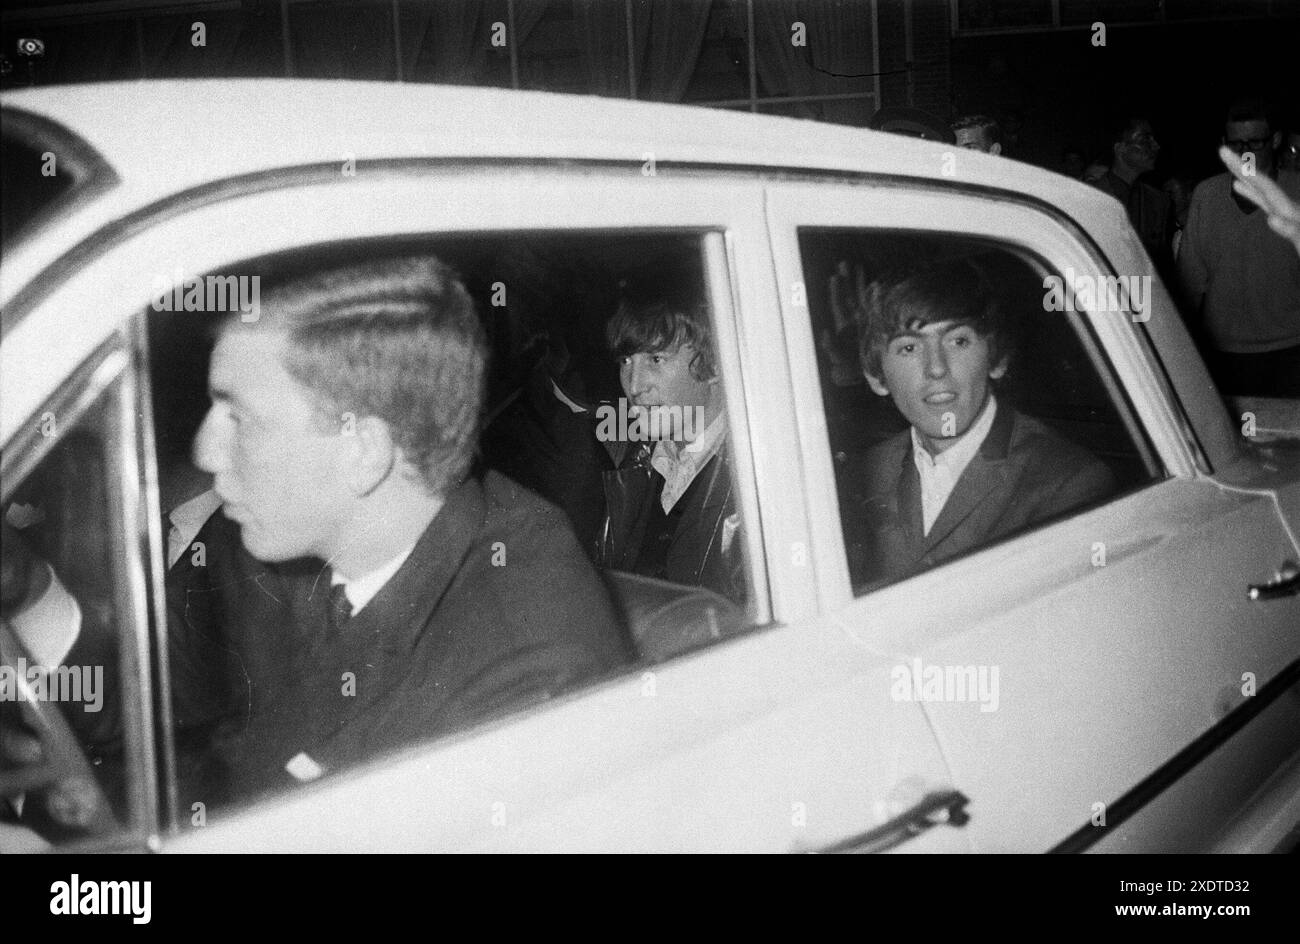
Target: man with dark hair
x=670, y=512
x=382, y=593
x=1240, y=277
x=1149, y=209
x=971, y=469
x=978, y=133
x=1074, y=162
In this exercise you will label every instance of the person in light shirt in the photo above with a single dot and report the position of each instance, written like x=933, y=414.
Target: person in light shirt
x=670, y=511
x=971, y=468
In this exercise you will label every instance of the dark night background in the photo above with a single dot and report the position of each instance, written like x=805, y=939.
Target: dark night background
x=1177, y=61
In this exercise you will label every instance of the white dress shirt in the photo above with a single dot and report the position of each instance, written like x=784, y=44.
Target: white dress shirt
x=680, y=464
x=939, y=474
x=186, y=519
x=362, y=590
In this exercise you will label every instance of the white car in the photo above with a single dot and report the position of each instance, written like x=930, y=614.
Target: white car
x=1121, y=675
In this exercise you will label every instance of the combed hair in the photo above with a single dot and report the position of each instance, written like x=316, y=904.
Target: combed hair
x=983, y=123
x=648, y=327
x=955, y=291
x=397, y=339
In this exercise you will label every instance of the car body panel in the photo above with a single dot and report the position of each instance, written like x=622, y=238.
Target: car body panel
x=1078, y=600
x=741, y=747
x=790, y=738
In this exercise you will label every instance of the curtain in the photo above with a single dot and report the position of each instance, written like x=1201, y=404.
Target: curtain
x=603, y=28
x=450, y=41
x=667, y=36
x=836, y=57
x=337, y=41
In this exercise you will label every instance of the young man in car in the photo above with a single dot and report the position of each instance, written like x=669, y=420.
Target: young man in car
x=359, y=589
x=669, y=507
x=971, y=468
x=383, y=593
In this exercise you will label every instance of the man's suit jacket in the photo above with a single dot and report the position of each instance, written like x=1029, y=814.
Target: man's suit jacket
x=1023, y=473
x=542, y=444
x=706, y=548
x=496, y=607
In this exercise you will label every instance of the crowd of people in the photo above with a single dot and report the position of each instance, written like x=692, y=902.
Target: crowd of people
x=1225, y=246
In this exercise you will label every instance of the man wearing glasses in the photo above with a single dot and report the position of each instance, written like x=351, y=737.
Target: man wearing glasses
x=1149, y=209
x=1240, y=276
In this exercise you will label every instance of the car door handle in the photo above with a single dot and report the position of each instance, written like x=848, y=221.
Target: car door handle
x=1286, y=583
x=935, y=809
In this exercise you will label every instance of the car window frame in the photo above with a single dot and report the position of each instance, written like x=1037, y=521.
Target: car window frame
x=727, y=215
x=112, y=372
x=699, y=207
x=91, y=177
x=1007, y=221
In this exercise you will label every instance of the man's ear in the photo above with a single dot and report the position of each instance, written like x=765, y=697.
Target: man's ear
x=1275, y=141
x=876, y=384
x=998, y=370
x=995, y=148
x=373, y=454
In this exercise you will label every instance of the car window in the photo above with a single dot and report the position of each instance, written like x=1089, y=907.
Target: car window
x=592, y=405
x=66, y=776
x=43, y=170
x=32, y=180
x=966, y=400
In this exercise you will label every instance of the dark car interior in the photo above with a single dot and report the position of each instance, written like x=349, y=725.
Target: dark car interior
x=544, y=300
x=1056, y=372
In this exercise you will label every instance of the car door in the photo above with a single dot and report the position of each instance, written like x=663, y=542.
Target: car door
x=780, y=739
x=77, y=665
x=1122, y=634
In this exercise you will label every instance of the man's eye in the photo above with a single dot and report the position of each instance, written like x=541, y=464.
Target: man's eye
x=907, y=348
x=961, y=340
x=658, y=359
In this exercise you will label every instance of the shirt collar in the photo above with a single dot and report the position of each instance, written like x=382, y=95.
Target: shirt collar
x=361, y=590
x=680, y=464
x=956, y=457
x=190, y=516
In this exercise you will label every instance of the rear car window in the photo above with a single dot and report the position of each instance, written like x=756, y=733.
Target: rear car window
x=930, y=342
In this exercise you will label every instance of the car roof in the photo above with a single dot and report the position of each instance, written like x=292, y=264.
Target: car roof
x=164, y=136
